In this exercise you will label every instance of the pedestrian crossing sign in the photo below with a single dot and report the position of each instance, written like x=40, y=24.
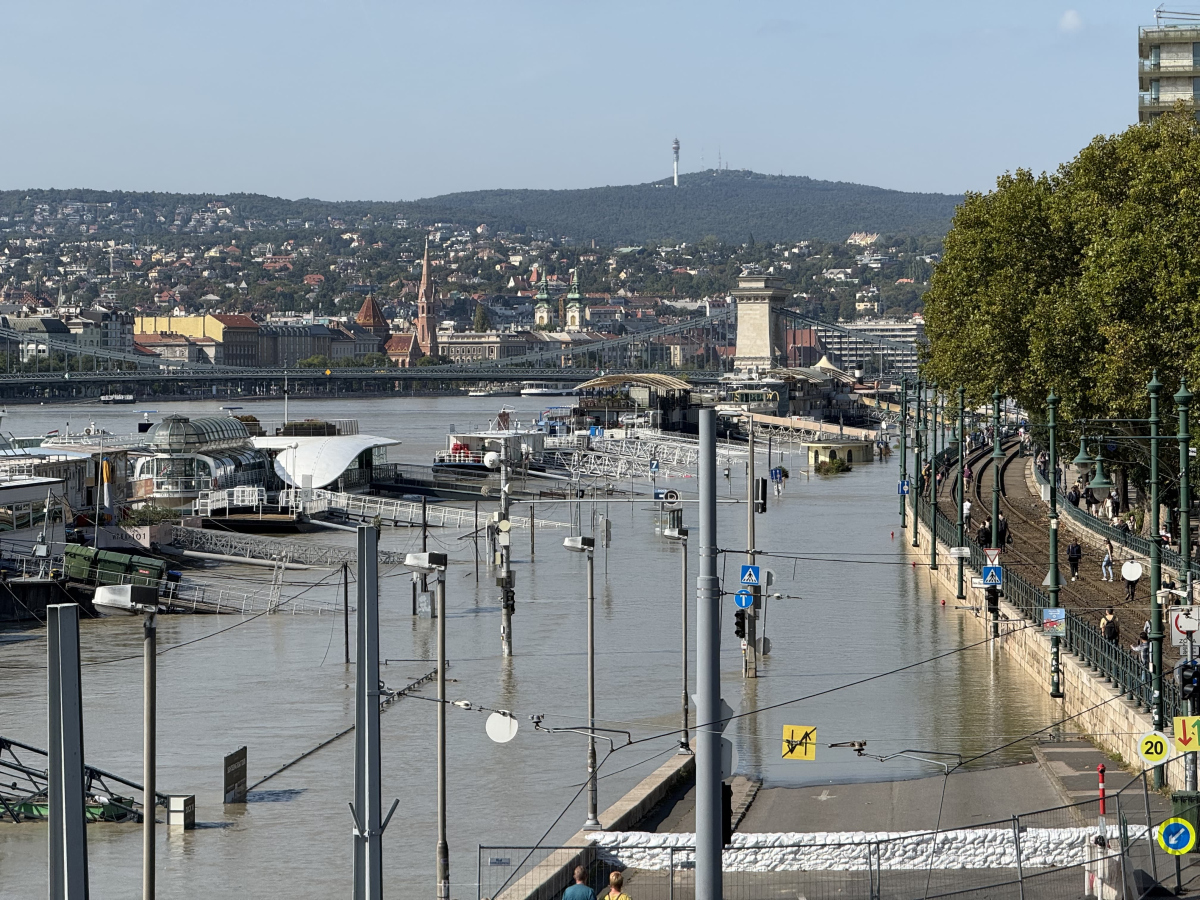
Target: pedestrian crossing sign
x=993, y=576
x=799, y=742
x=750, y=575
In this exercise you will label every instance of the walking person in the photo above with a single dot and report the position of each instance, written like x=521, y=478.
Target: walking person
x=1106, y=569
x=579, y=890
x=1074, y=555
x=1002, y=532
x=616, y=882
x=967, y=515
x=1110, y=630
x=1131, y=572
x=967, y=476
x=1089, y=497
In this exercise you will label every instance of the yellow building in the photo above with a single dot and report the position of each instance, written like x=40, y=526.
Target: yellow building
x=237, y=334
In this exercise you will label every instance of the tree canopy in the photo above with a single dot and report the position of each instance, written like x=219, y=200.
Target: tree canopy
x=1085, y=280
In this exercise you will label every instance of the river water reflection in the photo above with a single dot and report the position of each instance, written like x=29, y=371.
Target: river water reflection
x=853, y=606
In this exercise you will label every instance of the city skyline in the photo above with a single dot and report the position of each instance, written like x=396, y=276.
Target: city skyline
x=404, y=103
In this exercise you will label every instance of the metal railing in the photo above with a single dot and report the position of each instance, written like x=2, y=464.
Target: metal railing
x=1118, y=665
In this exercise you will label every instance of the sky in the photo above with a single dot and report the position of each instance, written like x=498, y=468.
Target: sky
x=360, y=100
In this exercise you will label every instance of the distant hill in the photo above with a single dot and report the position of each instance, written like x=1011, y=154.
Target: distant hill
x=731, y=205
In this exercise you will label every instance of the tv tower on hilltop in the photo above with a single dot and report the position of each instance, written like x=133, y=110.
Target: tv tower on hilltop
x=675, y=148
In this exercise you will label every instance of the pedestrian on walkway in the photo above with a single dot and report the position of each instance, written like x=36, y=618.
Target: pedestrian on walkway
x=1073, y=497
x=1002, y=532
x=1074, y=555
x=1090, y=499
x=1129, y=568
x=1110, y=630
x=579, y=890
x=967, y=515
x=1108, y=508
x=616, y=881
x=984, y=536
x=967, y=476
x=1106, y=570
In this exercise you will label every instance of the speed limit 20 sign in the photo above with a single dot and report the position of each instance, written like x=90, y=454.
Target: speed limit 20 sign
x=1154, y=748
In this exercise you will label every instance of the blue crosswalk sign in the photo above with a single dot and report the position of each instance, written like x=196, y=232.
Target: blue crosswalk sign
x=993, y=576
x=750, y=575
x=744, y=599
x=902, y=488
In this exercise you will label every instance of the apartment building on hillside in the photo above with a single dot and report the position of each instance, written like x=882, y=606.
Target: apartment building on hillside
x=1168, y=64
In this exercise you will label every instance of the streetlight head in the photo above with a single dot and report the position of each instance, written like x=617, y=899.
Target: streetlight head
x=1100, y=481
x=1082, y=459
x=579, y=543
x=427, y=562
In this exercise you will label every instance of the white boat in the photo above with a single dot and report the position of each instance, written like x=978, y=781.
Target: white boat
x=117, y=398
x=548, y=389
x=124, y=599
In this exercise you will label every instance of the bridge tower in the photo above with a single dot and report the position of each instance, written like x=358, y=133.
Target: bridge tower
x=760, y=328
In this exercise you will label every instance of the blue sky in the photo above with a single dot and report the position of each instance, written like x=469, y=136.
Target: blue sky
x=393, y=100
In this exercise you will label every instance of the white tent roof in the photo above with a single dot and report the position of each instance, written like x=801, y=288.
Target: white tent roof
x=325, y=458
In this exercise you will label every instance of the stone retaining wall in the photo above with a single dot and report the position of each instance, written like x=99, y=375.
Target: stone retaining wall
x=1113, y=723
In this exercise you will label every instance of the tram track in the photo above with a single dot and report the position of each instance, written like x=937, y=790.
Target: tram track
x=1029, y=555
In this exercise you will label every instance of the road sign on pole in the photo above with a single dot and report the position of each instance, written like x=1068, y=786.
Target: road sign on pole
x=1154, y=747
x=1184, y=620
x=902, y=488
x=750, y=575
x=992, y=556
x=960, y=552
x=993, y=576
x=977, y=583
x=744, y=599
x=1176, y=836
x=654, y=467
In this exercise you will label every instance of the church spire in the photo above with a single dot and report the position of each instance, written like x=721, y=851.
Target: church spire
x=426, y=291
x=574, y=294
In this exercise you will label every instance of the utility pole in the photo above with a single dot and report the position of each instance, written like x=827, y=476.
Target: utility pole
x=443, y=846
x=749, y=656
x=508, y=600
x=903, y=447
x=708, y=669
x=367, y=806
x=1052, y=424
x=684, y=744
x=67, y=850
x=593, y=816
x=1182, y=400
x=962, y=484
x=997, y=456
x=149, y=728
x=1156, y=621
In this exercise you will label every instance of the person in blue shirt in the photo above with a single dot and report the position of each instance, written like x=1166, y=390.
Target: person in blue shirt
x=579, y=890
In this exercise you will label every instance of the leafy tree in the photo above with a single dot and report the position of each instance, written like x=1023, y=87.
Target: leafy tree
x=1085, y=280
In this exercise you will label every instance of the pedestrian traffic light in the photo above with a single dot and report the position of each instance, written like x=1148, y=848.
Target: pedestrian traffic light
x=1189, y=680
x=739, y=623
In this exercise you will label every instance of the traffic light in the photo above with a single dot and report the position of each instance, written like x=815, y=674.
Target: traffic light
x=739, y=623
x=1189, y=680
x=760, y=495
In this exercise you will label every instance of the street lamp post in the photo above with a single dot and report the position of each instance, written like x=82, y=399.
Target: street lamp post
x=918, y=474
x=1182, y=401
x=1156, y=621
x=681, y=534
x=962, y=485
x=933, y=497
x=583, y=544
x=435, y=564
x=1051, y=411
x=997, y=456
x=903, y=447
x=149, y=756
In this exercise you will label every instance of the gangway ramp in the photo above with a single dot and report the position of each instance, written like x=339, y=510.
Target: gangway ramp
x=389, y=511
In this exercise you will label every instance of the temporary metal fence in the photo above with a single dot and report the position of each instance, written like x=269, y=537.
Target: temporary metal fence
x=1118, y=665
x=1065, y=852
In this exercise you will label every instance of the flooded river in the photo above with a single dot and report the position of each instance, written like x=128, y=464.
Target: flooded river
x=852, y=606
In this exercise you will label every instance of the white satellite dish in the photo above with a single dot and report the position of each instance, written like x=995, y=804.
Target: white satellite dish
x=501, y=727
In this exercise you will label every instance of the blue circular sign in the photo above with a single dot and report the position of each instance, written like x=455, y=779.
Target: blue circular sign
x=743, y=599
x=1176, y=836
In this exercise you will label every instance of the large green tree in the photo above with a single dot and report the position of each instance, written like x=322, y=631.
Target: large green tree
x=1085, y=280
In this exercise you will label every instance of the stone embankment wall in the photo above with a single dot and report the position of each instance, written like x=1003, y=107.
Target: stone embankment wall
x=981, y=848
x=1089, y=703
